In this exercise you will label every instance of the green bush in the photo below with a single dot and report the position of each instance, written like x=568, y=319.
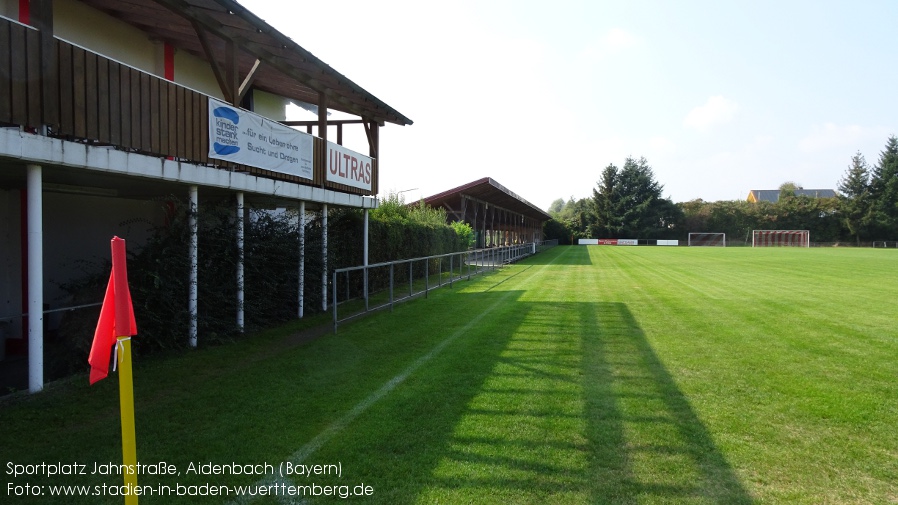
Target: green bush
x=158, y=271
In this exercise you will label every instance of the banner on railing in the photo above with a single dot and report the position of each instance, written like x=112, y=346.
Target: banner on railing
x=348, y=167
x=242, y=137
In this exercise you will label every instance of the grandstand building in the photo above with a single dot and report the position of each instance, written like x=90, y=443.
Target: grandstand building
x=498, y=216
x=107, y=106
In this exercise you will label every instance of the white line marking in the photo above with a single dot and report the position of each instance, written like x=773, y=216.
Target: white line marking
x=337, y=426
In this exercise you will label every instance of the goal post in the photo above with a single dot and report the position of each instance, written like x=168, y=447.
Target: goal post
x=780, y=238
x=708, y=239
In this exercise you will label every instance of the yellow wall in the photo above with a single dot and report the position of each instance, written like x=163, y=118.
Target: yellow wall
x=9, y=9
x=94, y=30
x=91, y=29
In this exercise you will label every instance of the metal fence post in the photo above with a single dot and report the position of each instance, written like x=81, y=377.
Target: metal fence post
x=335, y=300
x=366, y=288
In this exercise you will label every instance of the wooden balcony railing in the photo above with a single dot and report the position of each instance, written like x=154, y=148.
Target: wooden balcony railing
x=85, y=97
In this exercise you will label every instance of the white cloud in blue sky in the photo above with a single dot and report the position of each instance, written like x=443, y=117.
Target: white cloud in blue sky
x=715, y=112
x=720, y=97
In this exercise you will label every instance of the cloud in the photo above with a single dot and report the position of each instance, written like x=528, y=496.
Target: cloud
x=660, y=143
x=716, y=111
x=612, y=42
x=829, y=135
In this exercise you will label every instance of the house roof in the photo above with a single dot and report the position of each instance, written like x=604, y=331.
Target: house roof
x=491, y=192
x=284, y=67
x=773, y=195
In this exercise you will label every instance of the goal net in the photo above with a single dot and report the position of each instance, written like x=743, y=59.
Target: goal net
x=780, y=238
x=708, y=239
x=885, y=243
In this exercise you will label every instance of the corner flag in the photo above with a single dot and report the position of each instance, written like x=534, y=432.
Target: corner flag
x=116, y=315
x=116, y=326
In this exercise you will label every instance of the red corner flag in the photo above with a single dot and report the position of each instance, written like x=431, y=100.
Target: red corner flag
x=116, y=316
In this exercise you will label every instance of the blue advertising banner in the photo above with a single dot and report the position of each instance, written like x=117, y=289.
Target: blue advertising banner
x=242, y=137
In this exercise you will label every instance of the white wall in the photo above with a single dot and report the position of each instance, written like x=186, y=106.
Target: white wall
x=270, y=106
x=10, y=258
x=78, y=230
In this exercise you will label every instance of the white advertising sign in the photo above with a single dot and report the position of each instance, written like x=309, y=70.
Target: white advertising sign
x=348, y=167
x=249, y=139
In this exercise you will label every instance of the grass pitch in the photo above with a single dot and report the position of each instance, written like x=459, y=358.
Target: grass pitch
x=582, y=375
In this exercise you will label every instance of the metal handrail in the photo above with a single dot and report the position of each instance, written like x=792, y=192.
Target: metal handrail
x=480, y=260
x=50, y=311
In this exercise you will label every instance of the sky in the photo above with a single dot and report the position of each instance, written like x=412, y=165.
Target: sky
x=720, y=97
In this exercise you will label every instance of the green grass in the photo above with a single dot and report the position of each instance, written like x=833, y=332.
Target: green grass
x=582, y=375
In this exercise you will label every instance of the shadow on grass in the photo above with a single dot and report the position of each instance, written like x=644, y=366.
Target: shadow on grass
x=647, y=441
x=402, y=437
x=539, y=403
x=550, y=402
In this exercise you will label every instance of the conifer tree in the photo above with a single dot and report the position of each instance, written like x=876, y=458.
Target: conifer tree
x=884, y=191
x=854, y=192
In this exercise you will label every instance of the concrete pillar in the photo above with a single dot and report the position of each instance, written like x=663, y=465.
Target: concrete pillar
x=324, y=257
x=240, y=257
x=35, y=223
x=302, y=257
x=365, y=253
x=192, y=295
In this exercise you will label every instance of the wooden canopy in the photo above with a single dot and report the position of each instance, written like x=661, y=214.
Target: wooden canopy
x=243, y=51
x=490, y=192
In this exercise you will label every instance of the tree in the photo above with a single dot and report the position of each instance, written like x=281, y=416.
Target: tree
x=854, y=194
x=556, y=207
x=627, y=203
x=569, y=219
x=884, y=190
x=788, y=189
x=465, y=233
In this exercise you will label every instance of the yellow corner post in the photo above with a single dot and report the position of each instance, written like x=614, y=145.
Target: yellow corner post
x=129, y=440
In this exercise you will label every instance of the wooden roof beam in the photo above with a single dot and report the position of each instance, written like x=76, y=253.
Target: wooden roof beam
x=248, y=81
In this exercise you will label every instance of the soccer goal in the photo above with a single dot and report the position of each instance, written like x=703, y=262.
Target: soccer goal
x=780, y=238
x=708, y=239
x=884, y=243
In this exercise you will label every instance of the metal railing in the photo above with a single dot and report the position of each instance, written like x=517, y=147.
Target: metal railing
x=12, y=326
x=373, y=287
